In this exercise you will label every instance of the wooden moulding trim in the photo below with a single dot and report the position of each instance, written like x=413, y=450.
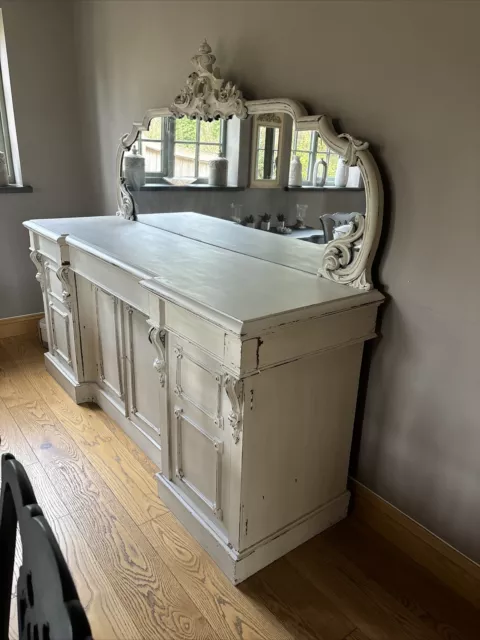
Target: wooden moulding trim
x=451, y=567
x=20, y=325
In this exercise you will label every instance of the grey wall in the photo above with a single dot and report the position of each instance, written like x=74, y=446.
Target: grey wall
x=403, y=75
x=41, y=55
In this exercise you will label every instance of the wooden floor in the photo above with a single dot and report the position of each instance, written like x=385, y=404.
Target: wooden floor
x=139, y=573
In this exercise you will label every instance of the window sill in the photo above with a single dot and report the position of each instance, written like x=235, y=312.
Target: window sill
x=326, y=188
x=187, y=187
x=16, y=188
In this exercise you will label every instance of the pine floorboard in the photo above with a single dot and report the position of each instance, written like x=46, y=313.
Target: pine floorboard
x=140, y=575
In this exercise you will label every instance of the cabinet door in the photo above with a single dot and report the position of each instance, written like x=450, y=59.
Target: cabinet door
x=110, y=375
x=60, y=333
x=202, y=442
x=145, y=357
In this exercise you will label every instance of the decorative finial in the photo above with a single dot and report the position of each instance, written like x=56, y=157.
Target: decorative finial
x=204, y=60
x=206, y=95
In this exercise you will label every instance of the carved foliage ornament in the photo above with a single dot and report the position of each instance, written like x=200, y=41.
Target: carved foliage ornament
x=350, y=156
x=37, y=258
x=156, y=337
x=62, y=275
x=234, y=391
x=340, y=253
x=207, y=96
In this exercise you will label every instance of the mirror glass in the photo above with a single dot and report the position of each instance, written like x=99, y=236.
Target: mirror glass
x=259, y=172
x=266, y=153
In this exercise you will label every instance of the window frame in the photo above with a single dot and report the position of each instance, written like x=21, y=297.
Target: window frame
x=5, y=142
x=313, y=154
x=168, y=142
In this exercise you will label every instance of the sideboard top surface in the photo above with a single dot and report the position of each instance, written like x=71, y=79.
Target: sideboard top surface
x=303, y=256
x=233, y=285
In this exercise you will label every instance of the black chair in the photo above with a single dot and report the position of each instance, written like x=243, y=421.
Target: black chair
x=47, y=600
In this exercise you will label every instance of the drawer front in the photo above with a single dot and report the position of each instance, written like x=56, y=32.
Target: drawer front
x=50, y=249
x=110, y=278
x=198, y=331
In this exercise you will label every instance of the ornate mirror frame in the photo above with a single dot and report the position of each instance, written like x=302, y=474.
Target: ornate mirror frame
x=206, y=96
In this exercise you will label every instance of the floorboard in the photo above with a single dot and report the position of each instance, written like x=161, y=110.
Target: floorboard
x=140, y=575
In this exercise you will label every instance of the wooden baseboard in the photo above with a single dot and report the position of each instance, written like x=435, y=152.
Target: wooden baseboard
x=455, y=570
x=20, y=325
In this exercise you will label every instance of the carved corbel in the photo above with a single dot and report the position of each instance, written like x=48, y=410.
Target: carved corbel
x=63, y=276
x=127, y=205
x=234, y=391
x=37, y=258
x=157, y=337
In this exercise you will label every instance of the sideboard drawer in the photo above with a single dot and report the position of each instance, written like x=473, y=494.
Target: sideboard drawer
x=109, y=278
x=208, y=336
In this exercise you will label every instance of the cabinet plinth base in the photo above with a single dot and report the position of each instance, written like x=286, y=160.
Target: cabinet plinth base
x=238, y=566
x=80, y=392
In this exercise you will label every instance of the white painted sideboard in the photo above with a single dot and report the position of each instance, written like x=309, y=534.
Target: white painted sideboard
x=236, y=374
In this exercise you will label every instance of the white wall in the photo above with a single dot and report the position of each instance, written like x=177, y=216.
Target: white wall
x=42, y=64
x=403, y=75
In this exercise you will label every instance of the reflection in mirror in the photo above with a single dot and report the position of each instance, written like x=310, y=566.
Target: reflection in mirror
x=177, y=151
x=267, y=140
x=266, y=153
x=312, y=150
x=176, y=156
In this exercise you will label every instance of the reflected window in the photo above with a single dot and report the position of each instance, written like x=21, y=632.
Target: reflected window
x=309, y=147
x=267, y=153
x=181, y=148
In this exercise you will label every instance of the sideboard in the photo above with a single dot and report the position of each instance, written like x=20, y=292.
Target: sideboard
x=236, y=374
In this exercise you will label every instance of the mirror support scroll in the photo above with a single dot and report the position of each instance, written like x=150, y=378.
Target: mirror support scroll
x=206, y=96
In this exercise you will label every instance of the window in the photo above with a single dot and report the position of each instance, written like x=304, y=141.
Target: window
x=8, y=138
x=309, y=147
x=4, y=137
x=267, y=153
x=181, y=148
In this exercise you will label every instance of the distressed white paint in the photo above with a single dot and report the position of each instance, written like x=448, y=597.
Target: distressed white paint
x=236, y=375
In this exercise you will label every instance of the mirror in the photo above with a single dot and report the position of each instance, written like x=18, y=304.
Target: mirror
x=267, y=152
x=175, y=165
x=262, y=164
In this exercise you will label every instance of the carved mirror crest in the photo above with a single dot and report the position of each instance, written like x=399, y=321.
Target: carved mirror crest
x=268, y=138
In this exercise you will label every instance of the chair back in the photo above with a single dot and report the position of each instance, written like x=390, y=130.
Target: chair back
x=329, y=221
x=47, y=600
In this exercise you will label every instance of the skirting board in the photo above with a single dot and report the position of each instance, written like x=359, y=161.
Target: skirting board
x=20, y=325
x=239, y=566
x=451, y=567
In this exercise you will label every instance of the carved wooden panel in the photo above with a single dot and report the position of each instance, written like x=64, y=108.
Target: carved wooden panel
x=109, y=343
x=198, y=462
x=60, y=332
x=145, y=386
x=199, y=385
